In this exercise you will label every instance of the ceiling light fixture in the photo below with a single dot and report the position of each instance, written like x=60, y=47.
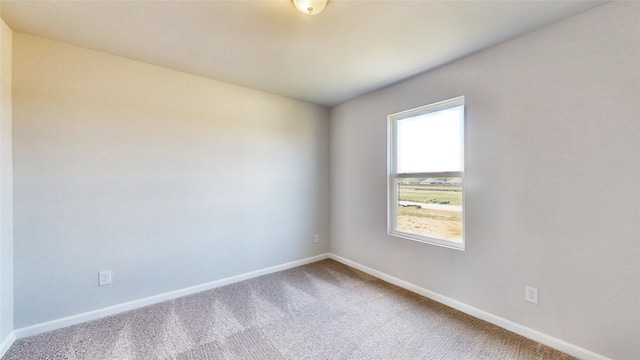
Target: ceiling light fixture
x=310, y=7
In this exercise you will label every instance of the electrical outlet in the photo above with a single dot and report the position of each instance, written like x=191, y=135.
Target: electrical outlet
x=531, y=294
x=316, y=239
x=104, y=278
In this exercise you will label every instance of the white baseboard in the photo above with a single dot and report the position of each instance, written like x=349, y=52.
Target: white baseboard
x=112, y=310
x=480, y=314
x=6, y=343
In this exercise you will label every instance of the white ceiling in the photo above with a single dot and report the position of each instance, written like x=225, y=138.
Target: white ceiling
x=351, y=48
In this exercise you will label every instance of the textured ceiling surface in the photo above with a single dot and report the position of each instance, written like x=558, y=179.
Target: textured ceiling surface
x=349, y=49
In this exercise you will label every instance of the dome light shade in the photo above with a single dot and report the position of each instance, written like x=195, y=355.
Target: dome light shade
x=310, y=7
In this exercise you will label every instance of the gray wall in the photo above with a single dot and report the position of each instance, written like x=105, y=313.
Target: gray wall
x=6, y=185
x=167, y=179
x=552, y=169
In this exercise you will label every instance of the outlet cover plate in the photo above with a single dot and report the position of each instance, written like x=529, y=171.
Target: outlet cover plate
x=104, y=278
x=531, y=294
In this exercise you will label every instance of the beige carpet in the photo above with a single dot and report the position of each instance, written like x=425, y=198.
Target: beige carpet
x=323, y=310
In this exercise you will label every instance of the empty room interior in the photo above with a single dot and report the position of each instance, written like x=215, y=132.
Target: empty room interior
x=228, y=179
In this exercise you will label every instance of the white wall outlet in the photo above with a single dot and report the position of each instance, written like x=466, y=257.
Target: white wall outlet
x=531, y=294
x=316, y=239
x=104, y=278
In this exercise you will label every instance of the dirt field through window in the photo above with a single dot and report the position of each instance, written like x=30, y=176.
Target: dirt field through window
x=431, y=223
x=432, y=210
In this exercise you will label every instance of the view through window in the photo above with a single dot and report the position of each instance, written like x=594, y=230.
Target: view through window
x=426, y=168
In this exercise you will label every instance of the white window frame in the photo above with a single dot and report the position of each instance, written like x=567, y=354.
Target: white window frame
x=393, y=175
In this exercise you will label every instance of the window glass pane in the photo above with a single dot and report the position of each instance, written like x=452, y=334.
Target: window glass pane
x=432, y=142
x=430, y=207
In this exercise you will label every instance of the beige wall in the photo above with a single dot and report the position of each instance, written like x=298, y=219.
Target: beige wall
x=6, y=186
x=552, y=169
x=167, y=179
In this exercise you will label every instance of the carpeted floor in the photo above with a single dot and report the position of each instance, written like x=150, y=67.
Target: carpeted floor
x=324, y=310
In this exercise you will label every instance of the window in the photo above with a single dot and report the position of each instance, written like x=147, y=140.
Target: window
x=426, y=171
